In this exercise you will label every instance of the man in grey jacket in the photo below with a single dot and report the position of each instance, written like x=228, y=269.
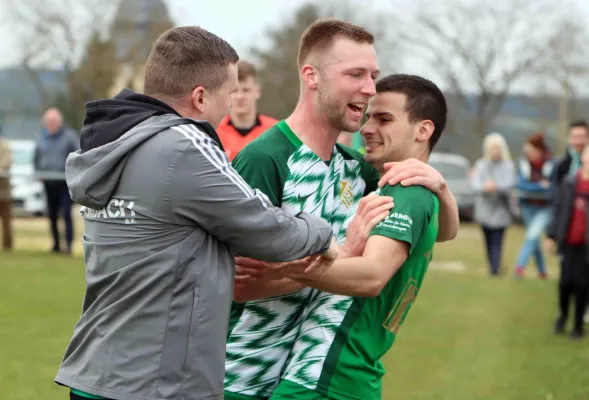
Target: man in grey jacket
x=164, y=215
x=57, y=141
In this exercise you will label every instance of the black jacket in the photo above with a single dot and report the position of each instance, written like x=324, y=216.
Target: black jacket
x=562, y=168
x=564, y=200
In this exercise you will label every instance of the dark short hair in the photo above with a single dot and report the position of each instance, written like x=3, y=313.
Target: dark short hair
x=424, y=100
x=580, y=123
x=321, y=35
x=245, y=70
x=186, y=57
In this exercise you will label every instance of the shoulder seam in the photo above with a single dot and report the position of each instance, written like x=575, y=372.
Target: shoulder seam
x=208, y=148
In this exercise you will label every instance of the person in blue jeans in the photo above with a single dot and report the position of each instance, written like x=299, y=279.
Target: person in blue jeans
x=534, y=190
x=493, y=181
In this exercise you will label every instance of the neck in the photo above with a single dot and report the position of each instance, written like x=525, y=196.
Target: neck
x=422, y=156
x=244, y=120
x=177, y=105
x=313, y=129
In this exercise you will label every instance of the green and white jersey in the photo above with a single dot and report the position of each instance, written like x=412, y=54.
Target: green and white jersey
x=340, y=345
x=262, y=333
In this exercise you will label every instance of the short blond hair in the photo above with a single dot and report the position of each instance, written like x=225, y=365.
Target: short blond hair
x=321, y=35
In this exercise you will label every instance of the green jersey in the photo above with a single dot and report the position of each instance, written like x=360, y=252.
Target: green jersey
x=346, y=364
x=262, y=333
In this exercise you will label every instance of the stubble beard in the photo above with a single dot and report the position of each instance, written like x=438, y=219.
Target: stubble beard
x=335, y=113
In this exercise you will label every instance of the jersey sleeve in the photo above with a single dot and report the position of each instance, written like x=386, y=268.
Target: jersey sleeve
x=260, y=171
x=408, y=220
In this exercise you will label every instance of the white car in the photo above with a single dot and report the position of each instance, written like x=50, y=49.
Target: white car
x=28, y=193
x=456, y=171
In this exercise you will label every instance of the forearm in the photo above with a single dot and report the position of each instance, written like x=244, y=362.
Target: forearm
x=354, y=276
x=449, y=219
x=531, y=187
x=262, y=289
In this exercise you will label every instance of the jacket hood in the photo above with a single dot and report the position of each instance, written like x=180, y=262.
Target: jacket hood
x=114, y=128
x=109, y=119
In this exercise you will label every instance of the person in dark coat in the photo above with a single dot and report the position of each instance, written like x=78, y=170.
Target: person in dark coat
x=567, y=233
x=57, y=141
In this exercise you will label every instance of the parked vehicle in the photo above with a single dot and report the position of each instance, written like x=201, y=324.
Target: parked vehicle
x=456, y=171
x=28, y=194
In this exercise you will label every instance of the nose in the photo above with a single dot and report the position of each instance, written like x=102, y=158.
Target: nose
x=369, y=87
x=368, y=129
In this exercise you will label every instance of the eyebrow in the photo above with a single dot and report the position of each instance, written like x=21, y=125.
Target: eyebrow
x=377, y=72
x=379, y=114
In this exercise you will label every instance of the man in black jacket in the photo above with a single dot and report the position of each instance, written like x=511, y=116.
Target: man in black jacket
x=567, y=166
x=568, y=230
x=571, y=161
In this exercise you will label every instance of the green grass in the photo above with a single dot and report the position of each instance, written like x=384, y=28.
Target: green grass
x=467, y=337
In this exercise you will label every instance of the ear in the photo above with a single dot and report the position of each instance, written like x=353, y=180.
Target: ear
x=425, y=130
x=198, y=98
x=310, y=76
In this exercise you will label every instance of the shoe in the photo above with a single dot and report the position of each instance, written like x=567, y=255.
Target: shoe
x=68, y=250
x=519, y=272
x=559, y=326
x=542, y=275
x=577, y=334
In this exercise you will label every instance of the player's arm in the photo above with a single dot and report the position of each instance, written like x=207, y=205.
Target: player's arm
x=363, y=276
x=449, y=216
x=415, y=172
x=256, y=280
x=388, y=247
x=208, y=192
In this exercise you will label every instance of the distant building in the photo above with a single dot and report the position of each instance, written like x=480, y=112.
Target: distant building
x=136, y=25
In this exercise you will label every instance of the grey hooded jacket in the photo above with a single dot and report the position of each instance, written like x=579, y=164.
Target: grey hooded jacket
x=164, y=214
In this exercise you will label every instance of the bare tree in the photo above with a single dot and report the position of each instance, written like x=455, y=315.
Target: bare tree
x=486, y=47
x=52, y=34
x=567, y=65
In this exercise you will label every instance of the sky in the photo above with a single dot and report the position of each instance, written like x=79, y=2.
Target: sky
x=241, y=23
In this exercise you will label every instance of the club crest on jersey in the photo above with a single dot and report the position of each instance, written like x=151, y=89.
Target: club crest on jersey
x=346, y=194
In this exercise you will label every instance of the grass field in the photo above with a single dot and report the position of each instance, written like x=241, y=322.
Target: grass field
x=468, y=337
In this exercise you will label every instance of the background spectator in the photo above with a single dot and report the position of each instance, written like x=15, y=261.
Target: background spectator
x=567, y=166
x=578, y=138
x=56, y=143
x=493, y=180
x=5, y=196
x=568, y=230
x=535, y=174
x=243, y=124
